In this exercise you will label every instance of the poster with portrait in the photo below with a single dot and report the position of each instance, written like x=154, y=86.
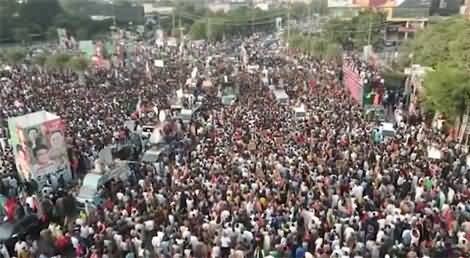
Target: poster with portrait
x=42, y=152
x=22, y=155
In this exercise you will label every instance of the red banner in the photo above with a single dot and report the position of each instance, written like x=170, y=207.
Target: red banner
x=352, y=81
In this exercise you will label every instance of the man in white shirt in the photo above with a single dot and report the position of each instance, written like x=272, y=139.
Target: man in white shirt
x=4, y=251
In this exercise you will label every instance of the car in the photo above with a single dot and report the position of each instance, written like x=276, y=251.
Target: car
x=185, y=115
x=11, y=232
x=387, y=129
x=93, y=181
x=281, y=96
x=300, y=113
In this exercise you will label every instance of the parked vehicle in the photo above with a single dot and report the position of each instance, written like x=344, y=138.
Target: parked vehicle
x=93, y=181
x=11, y=232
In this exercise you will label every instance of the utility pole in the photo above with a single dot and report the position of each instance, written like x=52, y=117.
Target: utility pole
x=370, y=29
x=208, y=25
x=288, y=22
x=180, y=27
x=173, y=22
x=310, y=15
x=252, y=17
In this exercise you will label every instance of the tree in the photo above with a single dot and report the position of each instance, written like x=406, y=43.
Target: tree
x=40, y=60
x=368, y=24
x=78, y=64
x=299, y=10
x=22, y=35
x=356, y=30
x=51, y=34
x=82, y=34
x=8, y=10
x=58, y=61
x=198, y=30
x=333, y=51
x=41, y=12
x=447, y=90
x=15, y=56
x=319, y=6
x=447, y=42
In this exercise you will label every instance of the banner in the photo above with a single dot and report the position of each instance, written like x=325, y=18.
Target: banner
x=62, y=36
x=87, y=47
x=172, y=42
x=41, y=150
x=342, y=4
x=413, y=9
x=158, y=63
x=352, y=81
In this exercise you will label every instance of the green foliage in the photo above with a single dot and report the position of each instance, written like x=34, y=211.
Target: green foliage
x=41, y=12
x=447, y=42
x=78, y=63
x=319, y=6
x=41, y=18
x=393, y=79
x=444, y=46
x=239, y=21
x=51, y=33
x=357, y=29
x=22, y=35
x=316, y=46
x=58, y=61
x=14, y=56
x=40, y=60
x=447, y=89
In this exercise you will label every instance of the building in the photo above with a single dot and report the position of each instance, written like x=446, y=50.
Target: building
x=465, y=9
x=404, y=17
x=121, y=13
x=446, y=7
x=151, y=9
x=400, y=29
x=343, y=8
x=228, y=5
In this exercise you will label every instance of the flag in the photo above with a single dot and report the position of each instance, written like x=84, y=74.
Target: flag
x=134, y=107
x=147, y=70
x=138, y=107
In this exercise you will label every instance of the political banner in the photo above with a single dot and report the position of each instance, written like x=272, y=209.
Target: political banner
x=352, y=82
x=172, y=42
x=40, y=151
x=158, y=63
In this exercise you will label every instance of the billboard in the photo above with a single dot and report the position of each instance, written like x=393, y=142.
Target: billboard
x=342, y=3
x=403, y=8
x=412, y=9
x=40, y=148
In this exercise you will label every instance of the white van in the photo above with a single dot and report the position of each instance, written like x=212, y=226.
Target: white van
x=185, y=115
x=300, y=113
x=94, y=180
x=387, y=130
x=281, y=97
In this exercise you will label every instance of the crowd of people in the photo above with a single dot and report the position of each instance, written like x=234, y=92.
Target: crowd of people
x=259, y=181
